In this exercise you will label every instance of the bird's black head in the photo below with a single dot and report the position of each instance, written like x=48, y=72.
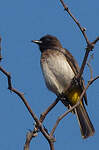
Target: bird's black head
x=48, y=42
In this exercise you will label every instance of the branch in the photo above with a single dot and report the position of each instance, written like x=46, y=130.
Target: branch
x=51, y=145
x=49, y=138
x=73, y=107
x=43, y=115
x=83, y=64
x=29, y=137
x=90, y=68
x=33, y=133
x=75, y=20
x=96, y=40
x=90, y=45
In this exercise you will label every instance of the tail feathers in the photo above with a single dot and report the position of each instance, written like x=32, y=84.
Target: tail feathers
x=86, y=126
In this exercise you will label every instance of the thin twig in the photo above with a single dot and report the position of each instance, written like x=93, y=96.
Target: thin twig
x=43, y=115
x=96, y=40
x=85, y=36
x=90, y=68
x=83, y=64
x=90, y=45
x=75, y=20
x=73, y=107
x=51, y=145
x=33, y=133
x=89, y=48
x=29, y=137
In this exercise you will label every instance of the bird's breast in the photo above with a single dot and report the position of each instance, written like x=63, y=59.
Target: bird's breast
x=56, y=71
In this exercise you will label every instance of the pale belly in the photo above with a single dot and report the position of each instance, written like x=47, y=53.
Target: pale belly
x=57, y=72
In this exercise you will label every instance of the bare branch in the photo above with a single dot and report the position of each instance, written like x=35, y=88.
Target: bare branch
x=33, y=133
x=89, y=48
x=91, y=81
x=29, y=137
x=50, y=139
x=90, y=68
x=43, y=115
x=51, y=145
x=96, y=40
x=83, y=64
x=90, y=45
x=75, y=20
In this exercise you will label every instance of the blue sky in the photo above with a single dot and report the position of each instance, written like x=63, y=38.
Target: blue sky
x=21, y=22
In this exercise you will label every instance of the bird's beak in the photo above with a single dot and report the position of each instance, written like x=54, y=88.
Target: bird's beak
x=37, y=41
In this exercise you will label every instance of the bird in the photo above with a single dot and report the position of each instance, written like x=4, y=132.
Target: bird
x=59, y=68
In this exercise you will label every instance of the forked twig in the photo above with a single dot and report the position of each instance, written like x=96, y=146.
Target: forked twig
x=43, y=115
x=33, y=133
x=90, y=45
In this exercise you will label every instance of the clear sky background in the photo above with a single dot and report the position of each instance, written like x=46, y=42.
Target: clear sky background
x=20, y=22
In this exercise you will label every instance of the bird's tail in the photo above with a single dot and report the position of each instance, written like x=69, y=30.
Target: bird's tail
x=86, y=126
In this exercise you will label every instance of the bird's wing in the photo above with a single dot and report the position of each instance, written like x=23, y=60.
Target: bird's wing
x=74, y=65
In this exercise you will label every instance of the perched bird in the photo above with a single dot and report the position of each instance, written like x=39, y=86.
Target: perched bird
x=59, y=68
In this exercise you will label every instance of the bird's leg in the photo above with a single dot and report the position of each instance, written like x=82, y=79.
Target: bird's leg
x=75, y=82
x=63, y=99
